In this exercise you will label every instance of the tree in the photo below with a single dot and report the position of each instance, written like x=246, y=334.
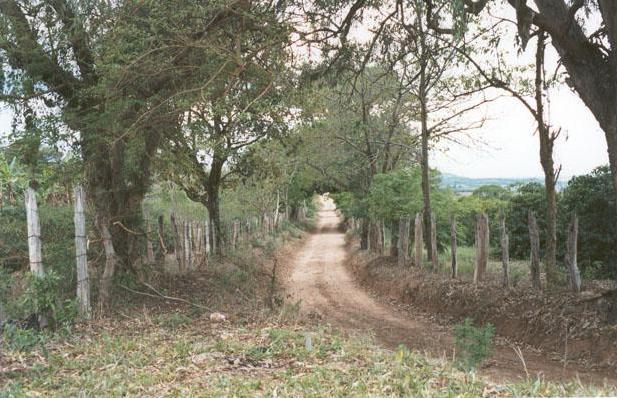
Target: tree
x=115, y=73
x=591, y=198
x=235, y=113
x=360, y=128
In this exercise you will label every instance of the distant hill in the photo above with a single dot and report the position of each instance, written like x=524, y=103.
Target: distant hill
x=464, y=185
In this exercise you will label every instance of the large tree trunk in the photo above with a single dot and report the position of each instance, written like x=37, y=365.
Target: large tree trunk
x=591, y=72
x=111, y=261
x=213, y=202
x=364, y=233
x=547, y=140
x=426, y=186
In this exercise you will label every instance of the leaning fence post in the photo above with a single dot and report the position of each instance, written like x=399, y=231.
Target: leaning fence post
x=149, y=245
x=160, y=232
x=505, y=249
x=417, y=240
x=403, y=241
x=34, y=241
x=433, y=231
x=571, y=255
x=534, y=239
x=81, y=257
x=482, y=247
x=453, y=245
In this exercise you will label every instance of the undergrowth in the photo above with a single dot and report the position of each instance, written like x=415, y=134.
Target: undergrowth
x=145, y=357
x=473, y=344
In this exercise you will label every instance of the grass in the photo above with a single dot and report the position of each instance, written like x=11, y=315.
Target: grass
x=143, y=356
x=466, y=260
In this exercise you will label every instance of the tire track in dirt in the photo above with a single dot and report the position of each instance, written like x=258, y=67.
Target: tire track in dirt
x=326, y=288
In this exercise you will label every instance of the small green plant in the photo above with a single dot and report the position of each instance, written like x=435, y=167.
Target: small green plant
x=19, y=339
x=473, y=344
x=42, y=296
x=173, y=321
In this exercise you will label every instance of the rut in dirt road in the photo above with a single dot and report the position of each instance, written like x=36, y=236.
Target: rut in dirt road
x=325, y=287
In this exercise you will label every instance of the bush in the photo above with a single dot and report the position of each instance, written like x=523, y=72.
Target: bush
x=42, y=296
x=472, y=343
x=19, y=339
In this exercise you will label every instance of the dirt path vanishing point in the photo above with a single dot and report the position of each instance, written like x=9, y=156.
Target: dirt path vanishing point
x=325, y=287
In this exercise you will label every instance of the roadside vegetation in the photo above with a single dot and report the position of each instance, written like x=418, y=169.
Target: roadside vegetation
x=160, y=153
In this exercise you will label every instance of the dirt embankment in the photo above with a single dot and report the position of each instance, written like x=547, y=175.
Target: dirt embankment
x=320, y=276
x=565, y=327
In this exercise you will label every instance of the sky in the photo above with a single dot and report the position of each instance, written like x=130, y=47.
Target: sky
x=511, y=149
x=506, y=145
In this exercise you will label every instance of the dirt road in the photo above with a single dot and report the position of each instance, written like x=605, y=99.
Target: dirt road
x=326, y=288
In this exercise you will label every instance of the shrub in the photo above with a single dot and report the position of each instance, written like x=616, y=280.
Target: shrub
x=472, y=343
x=19, y=339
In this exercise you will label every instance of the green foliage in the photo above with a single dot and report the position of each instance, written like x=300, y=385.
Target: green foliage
x=528, y=197
x=20, y=339
x=396, y=194
x=173, y=321
x=43, y=296
x=592, y=198
x=473, y=344
x=490, y=199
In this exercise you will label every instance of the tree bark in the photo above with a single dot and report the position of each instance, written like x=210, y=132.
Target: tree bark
x=375, y=238
x=571, y=255
x=111, y=262
x=482, y=247
x=534, y=238
x=364, y=233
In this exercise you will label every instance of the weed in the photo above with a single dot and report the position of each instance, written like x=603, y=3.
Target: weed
x=173, y=321
x=473, y=344
x=23, y=340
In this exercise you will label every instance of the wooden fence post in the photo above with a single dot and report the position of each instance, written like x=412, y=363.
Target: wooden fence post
x=34, y=233
x=482, y=247
x=160, y=232
x=434, y=256
x=177, y=242
x=505, y=250
x=403, y=241
x=572, y=254
x=149, y=245
x=418, y=240
x=187, y=246
x=234, y=234
x=207, y=236
x=81, y=257
x=383, y=236
x=534, y=239
x=453, y=246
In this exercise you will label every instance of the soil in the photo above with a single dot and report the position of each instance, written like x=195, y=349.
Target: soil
x=318, y=276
